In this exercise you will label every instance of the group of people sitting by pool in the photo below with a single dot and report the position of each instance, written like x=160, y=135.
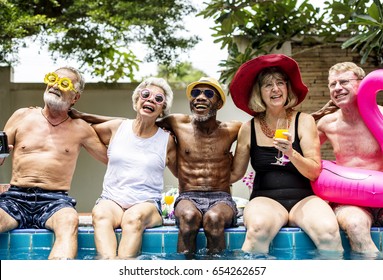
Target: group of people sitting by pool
x=45, y=144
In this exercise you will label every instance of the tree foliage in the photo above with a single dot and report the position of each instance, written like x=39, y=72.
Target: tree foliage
x=265, y=25
x=368, y=39
x=98, y=33
x=183, y=73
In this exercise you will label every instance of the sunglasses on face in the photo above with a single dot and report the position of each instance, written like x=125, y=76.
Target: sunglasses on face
x=159, y=98
x=64, y=84
x=209, y=93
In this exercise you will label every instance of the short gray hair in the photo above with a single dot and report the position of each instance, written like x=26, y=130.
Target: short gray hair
x=158, y=82
x=80, y=85
x=348, y=66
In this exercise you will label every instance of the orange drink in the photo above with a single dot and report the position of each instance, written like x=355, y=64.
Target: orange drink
x=279, y=133
x=169, y=199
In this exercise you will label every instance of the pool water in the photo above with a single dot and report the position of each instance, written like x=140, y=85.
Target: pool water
x=278, y=254
x=161, y=244
x=42, y=254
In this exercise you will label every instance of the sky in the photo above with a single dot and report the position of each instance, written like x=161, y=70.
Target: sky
x=35, y=63
x=206, y=55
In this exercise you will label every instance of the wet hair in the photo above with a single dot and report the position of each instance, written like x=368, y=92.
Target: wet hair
x=158, y=82
x=256, y=103
x=348, y=66
x=80, y=84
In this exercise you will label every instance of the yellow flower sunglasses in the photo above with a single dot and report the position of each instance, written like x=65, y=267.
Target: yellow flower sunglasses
x=63, y=83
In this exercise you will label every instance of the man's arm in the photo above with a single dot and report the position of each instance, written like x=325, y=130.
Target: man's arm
x=167, y=122
x=11, y=126
x=242, y=153
x=93, y=144
x=328, y=108
x=171, y=156
x=90, y=118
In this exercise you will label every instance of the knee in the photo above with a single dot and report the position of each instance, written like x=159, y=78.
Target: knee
x=258, y=229
x=213, y=222
x=72, y=220
x=189, y=221
x=65, y=223
x=328, y=232
x=355, y=225
x=133, y=222
x=98, y=216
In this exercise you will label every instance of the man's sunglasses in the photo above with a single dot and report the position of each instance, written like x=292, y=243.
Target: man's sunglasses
x=209, y=93
x=63, y=83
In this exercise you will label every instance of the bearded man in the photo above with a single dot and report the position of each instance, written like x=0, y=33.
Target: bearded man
x=45, y=144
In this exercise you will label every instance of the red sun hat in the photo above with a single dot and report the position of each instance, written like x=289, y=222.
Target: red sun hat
x=242, y=83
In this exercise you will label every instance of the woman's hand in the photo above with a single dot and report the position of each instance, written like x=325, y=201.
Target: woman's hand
x=284, y=145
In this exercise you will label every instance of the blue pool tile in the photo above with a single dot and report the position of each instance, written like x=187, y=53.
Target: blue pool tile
x=5, y=254
x=87, y=254
x=152, y=243
x=290, y=229
x=302, y=241
x=31, y=243
x=39, y=254
x=227, y=239
x=376, y=237
x=345, y=241
x=4, y=240
x=282, y=240
x=42, y=240
x=201, y=241
x=86, y=240
x=239, y=229
x=170, y=242
x=87, y=229
x=21, y=240
x=236, y=240
x=162, y=229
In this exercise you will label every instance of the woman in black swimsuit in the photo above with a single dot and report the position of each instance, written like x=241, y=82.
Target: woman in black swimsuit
x=267, y=88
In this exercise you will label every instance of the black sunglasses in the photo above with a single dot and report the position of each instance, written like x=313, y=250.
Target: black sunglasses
x=209, y=93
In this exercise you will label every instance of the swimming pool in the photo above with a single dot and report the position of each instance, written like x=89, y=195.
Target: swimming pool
x=161, y=243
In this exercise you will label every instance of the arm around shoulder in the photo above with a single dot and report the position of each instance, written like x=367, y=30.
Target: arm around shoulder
x=93, y=144
x=90, y=118
x=242, y=153
x=171, y=156
x=328, y=108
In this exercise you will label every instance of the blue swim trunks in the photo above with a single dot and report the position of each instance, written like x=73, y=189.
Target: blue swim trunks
x=32, y=207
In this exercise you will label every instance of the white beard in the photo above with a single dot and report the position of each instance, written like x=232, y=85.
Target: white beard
x=204, y=118
x=56, y=103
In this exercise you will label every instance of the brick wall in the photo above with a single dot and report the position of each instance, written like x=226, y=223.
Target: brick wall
x=314, y=63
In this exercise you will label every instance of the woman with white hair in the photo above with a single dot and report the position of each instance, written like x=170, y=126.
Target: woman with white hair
x=138, y=152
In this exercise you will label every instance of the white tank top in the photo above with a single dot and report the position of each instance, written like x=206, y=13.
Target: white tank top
x=136, y=166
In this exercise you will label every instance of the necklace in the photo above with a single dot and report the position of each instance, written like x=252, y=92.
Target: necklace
x=54, y=125
x=264, y=126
